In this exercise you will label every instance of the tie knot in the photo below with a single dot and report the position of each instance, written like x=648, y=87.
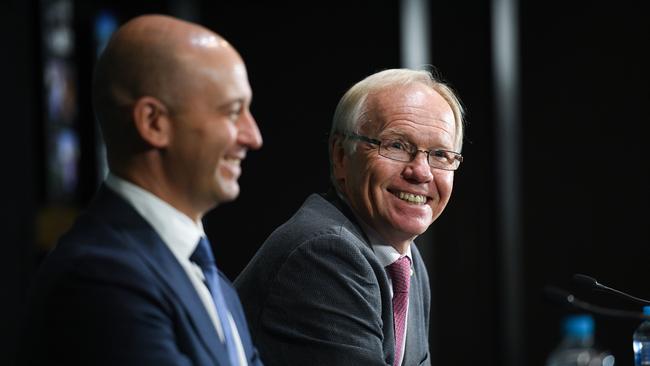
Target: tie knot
x=203, y=253
x=400, y=274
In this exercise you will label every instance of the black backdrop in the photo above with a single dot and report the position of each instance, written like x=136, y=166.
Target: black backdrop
x=585, y=100
x=584, y=170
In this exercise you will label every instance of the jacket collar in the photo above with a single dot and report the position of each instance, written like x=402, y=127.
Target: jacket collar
x=136, y=233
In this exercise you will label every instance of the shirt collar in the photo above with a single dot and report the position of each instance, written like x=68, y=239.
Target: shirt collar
x=177, y=230
x=386, y=253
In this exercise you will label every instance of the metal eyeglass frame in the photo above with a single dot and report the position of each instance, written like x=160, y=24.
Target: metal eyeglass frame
x=457, y=158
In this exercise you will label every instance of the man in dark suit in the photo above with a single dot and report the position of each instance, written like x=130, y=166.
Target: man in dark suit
x=134, y=281
x=341, y=282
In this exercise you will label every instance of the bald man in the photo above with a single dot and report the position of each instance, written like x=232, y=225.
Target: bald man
x=134, y=281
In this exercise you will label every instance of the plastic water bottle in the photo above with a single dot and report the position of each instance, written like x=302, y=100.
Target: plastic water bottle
x=641, y=341
x=577, y=346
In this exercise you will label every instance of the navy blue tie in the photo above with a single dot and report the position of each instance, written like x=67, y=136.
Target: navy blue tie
x=203, y=257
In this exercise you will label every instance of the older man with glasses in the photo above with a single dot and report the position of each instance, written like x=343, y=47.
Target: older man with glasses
x=342, y=282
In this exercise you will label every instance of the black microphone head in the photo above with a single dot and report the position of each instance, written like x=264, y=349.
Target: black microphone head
x=586, y=281
x=562, y=297
x=591, y=283
x=557, y=295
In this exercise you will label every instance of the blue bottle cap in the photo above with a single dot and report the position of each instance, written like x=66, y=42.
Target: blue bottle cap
x=580, y=325
x=646, y=310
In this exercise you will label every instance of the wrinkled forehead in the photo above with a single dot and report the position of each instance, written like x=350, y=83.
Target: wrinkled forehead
x=409, y=94
x=416, y=103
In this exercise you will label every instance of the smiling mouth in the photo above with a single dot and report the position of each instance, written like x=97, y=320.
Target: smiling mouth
x=416, y=199
x=230, y=160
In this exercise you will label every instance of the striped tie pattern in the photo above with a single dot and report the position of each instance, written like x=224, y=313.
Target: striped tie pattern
x=400, y=274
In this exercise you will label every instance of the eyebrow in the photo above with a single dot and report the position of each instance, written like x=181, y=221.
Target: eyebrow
x=394, y=134
x=229, y=103
x=399, y=135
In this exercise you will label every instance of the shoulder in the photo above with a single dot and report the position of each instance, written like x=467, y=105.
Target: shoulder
x=316, y=221
x=318, y=249
x=98, y=251
x=318, y=231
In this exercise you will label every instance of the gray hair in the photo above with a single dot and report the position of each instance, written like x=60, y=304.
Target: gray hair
x=350, y=109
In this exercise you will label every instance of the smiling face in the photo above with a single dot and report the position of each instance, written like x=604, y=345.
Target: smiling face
x=212, y=131
x=399, y=200
x=173, y=101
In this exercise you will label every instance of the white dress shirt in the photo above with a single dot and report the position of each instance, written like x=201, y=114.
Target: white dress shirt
x=181, y=235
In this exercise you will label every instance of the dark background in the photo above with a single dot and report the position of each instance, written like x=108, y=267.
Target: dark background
x=583, y=158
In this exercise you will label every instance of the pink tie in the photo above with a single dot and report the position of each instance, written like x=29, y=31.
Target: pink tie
x=400, y=274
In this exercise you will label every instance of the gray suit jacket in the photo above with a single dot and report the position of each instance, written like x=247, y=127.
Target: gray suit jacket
x=315, y=294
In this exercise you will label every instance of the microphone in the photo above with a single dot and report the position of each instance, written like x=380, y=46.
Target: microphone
x=590, y=282
x=563, y=297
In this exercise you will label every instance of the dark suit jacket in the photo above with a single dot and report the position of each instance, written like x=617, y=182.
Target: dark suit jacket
x=112, y=293
x=315, y=294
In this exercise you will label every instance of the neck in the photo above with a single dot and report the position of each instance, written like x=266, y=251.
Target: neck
x=153, y=180
x=403, y=247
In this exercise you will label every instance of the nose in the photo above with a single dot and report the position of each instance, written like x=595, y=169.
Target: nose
x=418, y=170
x=249, y=134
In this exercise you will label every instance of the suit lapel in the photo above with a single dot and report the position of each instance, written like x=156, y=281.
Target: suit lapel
x=142, y=238
x=415, y=330
x=388, y=342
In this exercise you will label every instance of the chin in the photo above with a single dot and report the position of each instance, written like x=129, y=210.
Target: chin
x=413, y=225
x=412, y=233
x=227, y=193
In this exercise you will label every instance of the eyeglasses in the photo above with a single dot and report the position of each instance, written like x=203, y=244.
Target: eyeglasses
x=400, y=150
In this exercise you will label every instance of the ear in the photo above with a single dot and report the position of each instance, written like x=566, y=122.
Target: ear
x=151, y=119
x=339, y=160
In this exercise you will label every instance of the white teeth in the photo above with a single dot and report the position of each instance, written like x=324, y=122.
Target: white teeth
x=413, y=198
x=233, y=160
